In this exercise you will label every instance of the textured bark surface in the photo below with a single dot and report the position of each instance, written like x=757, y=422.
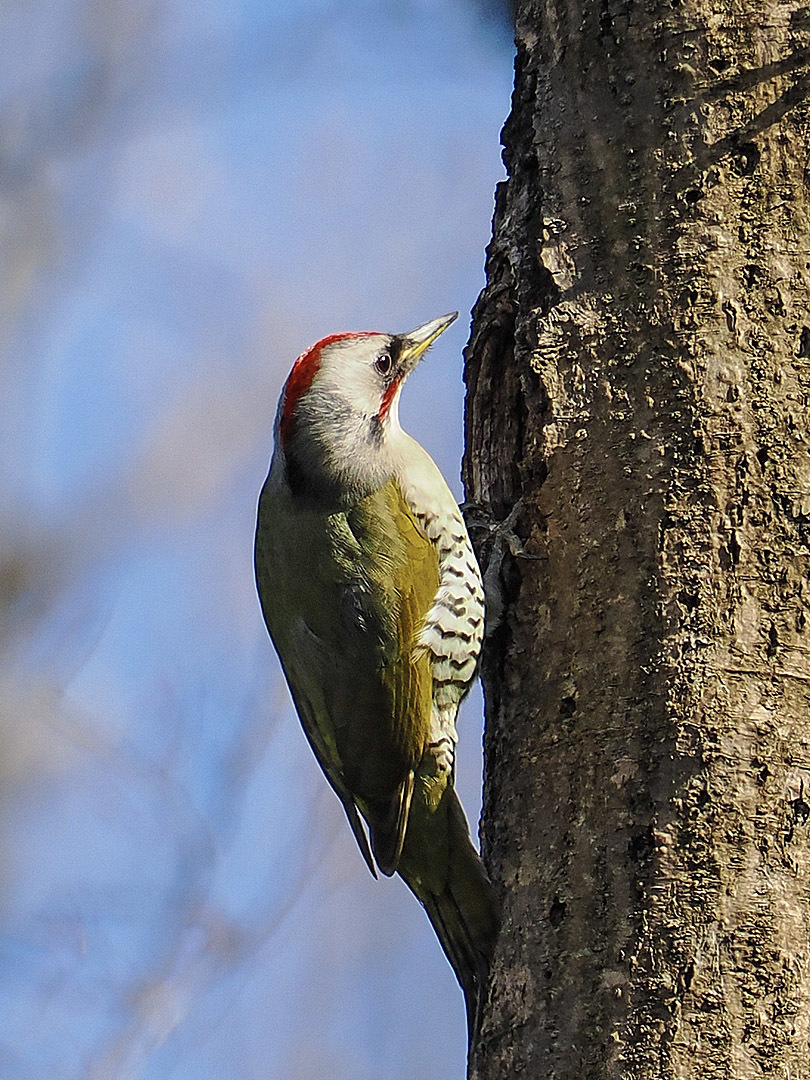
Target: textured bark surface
x=639, y=373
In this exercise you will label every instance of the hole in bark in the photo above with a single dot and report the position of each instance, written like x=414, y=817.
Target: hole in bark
x=734, y=548
x=688, y=297
x=686, y=976
x=745, y=159
x=801, y=811
x=692, y=196
x=762, y=457
x=762, y=770
x=804, y=342
x=688, y=599
x=773, y=641
x=556, y=912
x=751, y=274
x=641, y=847
x=568, y=706
x=719, y=64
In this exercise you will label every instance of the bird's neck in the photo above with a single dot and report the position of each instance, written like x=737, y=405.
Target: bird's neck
x=338, y=465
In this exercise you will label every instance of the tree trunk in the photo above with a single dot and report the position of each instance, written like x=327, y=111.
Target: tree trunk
x=639, y=372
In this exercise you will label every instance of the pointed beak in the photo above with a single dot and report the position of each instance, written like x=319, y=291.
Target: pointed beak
x=418, y=341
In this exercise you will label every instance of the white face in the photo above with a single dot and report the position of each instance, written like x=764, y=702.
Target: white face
x=357, y=373
x=344, y=422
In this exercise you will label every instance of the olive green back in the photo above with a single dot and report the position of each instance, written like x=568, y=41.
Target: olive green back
x=344, y=596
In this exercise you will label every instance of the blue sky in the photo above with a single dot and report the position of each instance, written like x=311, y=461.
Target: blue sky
x=191, y=194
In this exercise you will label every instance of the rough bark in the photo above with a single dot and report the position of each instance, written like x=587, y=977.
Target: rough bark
x=639, y=373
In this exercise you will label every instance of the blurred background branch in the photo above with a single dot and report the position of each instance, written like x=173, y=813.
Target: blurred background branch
x=189, y=195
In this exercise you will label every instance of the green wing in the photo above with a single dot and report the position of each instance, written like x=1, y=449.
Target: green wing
x=345, y=597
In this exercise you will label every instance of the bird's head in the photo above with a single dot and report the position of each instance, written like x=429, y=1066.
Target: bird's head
x=338, y=416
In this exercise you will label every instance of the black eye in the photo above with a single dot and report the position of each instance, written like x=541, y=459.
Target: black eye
x=383, y=364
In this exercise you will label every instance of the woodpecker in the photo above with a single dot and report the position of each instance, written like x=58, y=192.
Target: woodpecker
x=373, y=599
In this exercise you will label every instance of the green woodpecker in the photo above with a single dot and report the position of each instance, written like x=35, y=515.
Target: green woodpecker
x=373, y=600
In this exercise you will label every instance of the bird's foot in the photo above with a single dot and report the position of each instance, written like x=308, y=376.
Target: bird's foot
x=502, y=538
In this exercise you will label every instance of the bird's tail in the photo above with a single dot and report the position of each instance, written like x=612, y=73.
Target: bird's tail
x=443, y=869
